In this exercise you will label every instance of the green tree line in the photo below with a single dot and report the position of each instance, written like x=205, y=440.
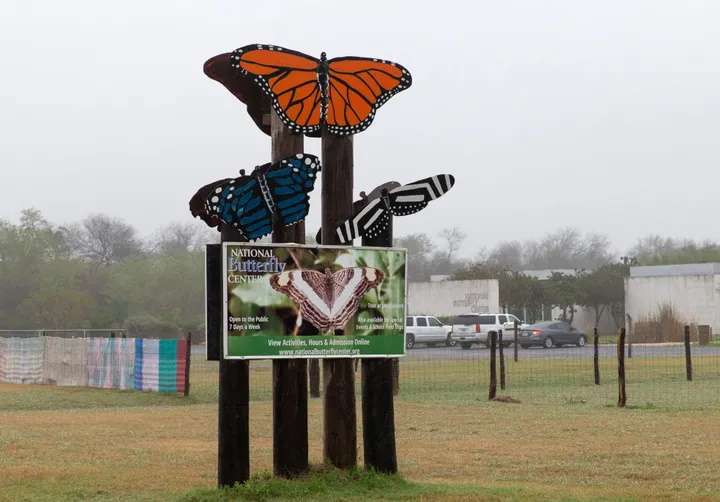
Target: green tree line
x=98, y=273
x=600, y=289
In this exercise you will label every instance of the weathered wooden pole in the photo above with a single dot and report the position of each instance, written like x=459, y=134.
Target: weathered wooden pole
x=233, y=408
x=630, y=335
x=314, y=376
x=396, y=376
x=596, y=360
x=493, y=372
x=290, y=376
x=688, y=358
x=378, y=413
x=515, y=348
x=502, y=359
x=188, y=350
x=340, y=434
x=622, y=396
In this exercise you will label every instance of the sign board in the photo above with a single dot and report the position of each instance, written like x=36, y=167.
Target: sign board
x=452, y=298
x=284, y=301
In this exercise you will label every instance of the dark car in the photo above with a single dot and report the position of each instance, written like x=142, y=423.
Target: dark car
x=551, y=333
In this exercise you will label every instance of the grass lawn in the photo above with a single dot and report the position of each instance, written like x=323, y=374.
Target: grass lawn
x=565, y=441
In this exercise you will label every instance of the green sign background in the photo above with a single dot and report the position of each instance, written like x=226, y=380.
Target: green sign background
x=261, y=323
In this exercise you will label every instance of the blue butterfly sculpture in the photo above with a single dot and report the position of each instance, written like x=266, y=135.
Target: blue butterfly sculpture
x=249, y=203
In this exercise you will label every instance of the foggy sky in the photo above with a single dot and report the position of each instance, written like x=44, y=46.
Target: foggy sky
x=600, y=115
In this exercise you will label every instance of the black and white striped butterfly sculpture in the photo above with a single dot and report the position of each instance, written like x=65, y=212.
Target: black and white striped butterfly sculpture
x=372, y=213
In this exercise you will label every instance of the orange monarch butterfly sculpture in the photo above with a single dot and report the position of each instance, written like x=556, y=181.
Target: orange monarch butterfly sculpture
x=342, y=93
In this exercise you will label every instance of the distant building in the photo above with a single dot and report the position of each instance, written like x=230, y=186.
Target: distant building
x=692, y=289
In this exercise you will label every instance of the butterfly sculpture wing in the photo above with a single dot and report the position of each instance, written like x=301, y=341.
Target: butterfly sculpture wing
x=240, y=203
x=413, y=197
x=357, y=87
x=329, y=300
x=289, y=183
x=364, y=200
x=290, y=78
x=306, y=92
x=371, y=220
x=400, y=201
x=249, y=203
x=199, y=206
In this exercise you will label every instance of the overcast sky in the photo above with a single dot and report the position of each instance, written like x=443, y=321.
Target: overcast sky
x=604, y=115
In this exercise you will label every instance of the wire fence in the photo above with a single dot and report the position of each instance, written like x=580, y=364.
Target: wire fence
x=656, y=374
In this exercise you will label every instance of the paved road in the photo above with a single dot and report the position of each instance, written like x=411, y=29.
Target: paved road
x=604, y=351
x=450, y=353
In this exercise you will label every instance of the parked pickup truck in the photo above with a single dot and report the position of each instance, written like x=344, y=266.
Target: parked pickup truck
x=468, y=329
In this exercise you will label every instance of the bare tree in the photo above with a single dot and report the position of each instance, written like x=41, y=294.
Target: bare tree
x=420, y=248
x=567, y=248
x=183, y=237
x=453, y=238
x=175, y=237
x=507, y=254
x=102, y=239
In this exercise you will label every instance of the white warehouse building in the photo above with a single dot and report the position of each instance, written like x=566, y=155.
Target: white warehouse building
x=693, y=290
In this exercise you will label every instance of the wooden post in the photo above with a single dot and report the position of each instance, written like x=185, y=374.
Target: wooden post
x=704, y=334
x=630, y=334
x=502, y=359
x=515, y=348
x=213, y=301
x=340, y=434
x=688, y=358
x=378, y=413
x=596, y=360
x=290, y=376
x=396, y=376
x=622, y=396
x=493, y=375
x=188, y=350
x=314, y=376
x=233, y=409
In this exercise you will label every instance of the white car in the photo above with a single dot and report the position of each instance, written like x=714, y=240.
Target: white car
x=471, y=328
x=426, y=329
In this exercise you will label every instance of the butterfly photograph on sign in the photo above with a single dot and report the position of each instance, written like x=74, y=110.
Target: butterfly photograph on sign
x=271, y=290
x=343, y=93
x=373, y=211
x=249, y=203
x=327, y=299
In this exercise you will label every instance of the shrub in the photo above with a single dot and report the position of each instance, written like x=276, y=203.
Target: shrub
x=151, y=327
x=662, y=326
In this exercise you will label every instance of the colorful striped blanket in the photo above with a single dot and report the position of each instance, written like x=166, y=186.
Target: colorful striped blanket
x=160, y=365
x=109, y=363
x=21, y=360
x=64, y=361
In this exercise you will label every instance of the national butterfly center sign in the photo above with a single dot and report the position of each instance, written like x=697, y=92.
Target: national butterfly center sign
x=284, y=301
